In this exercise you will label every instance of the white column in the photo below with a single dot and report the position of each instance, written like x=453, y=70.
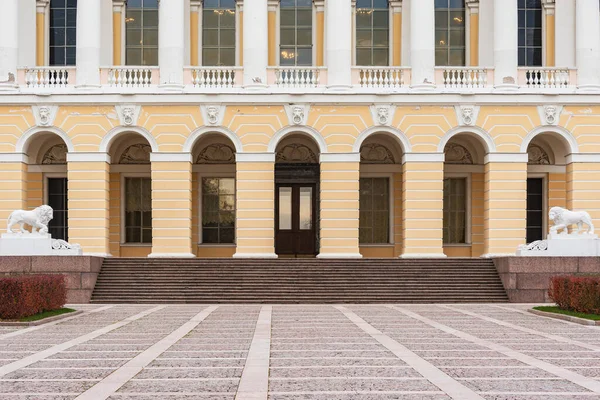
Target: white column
x=9, y=43
x=422, y=44
x=89, y=34
x=506, y=60
x=256, y=43
x=338, y=36
x=171, y=42
x=587, y=44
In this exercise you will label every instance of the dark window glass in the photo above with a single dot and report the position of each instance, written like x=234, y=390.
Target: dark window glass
x=218, y=33
x=138, y=210
x=450, y=47
x=372, y=33
x=455, y=210
x=535, y=209
x=141, y=32
x=218, y=210
x=530, y=33
x=63, y=32
x=57, y=199
x=295, y=35
x=374, y=208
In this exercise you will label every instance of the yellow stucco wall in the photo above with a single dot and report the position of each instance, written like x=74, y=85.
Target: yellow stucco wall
x=497, y=196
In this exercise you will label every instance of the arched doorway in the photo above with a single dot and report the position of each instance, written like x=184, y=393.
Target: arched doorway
x=297, y=176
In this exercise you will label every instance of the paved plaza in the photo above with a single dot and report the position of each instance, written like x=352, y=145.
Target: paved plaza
x=285, y=352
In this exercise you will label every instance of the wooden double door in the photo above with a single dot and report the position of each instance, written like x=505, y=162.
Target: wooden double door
x=296, y=215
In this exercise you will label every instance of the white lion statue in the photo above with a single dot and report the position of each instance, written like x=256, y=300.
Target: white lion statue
x=37, y=219
x=563, y=218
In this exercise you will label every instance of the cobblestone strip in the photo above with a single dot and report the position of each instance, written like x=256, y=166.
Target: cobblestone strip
x=254, y=383
x=24, y=362
x=563, y=373
x=558, y=338
x=38, y=327
x=451, y=387
x=109, y=385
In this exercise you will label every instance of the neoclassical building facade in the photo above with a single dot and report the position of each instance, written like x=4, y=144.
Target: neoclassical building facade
x=296, y=128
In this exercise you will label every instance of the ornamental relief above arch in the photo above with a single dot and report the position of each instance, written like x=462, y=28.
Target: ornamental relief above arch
x=136, y=154
x=455, y=153
x=216, y=153
x=55, y=155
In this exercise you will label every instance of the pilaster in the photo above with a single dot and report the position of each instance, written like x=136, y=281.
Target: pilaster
x=42, y=7
x=89, y=201
x=320, y=31
x=339, y=197
x=273, y=6
x=13, y=186
x=195, y=18
x=255, y=198
x=422, y=205
x=473, y=18
x=396, y=32
x=171, y=204
x=118, y=23
x=550, y=28
x=583, y=187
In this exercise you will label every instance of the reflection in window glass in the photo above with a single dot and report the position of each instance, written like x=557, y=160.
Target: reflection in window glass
x=218, y=210
x=374, y=222
x=530, y=33
x=141, y=32
x=138, y=210
x=63, y=32
x=306, y=208
x=450, y=46
x=295, y=35
x=218, y=33
x=372, y=33
x=285, y=208
x=455, y=210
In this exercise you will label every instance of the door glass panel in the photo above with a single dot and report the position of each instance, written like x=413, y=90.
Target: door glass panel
x=306, y=208
x=285, y=208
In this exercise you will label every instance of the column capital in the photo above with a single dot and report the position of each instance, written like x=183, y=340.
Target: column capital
x=396, y=6
x=319, y=5
x=195, y=5
x=41, y=6
x=272, y=5
x=119, y=6
x=240, y=5
x=472, y=6
x=549, y=6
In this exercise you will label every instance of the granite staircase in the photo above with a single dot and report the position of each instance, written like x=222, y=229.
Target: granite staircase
x=144, y=280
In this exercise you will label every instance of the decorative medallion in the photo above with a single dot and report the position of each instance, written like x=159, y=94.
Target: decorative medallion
x=297, y=113
x=56, y=154
x=537, y=156
x=467, y=114
x=296, y=153
x=375, y=153
x=382, y=113
x=44, y=115
x=136, y=154
x=213, y=114
x=128, y=115
x=216, y=153
x=456, y=154
x=550, y=113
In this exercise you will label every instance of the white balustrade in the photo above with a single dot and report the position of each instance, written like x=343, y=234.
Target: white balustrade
x=464, y=78
x=545, y=78
x=297, y=77
x=48, y=77
x=215, y=77
x=381, y=77
x=130, y=76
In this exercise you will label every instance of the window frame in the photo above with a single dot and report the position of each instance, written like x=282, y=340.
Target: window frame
x=216, y=174
x=390, y=178
x=142, y=47
x=448, y=47
x=390, y=29
x=46, y=187
x=47, y=49
x=236, y=48
x=123, y=177
x=313, y=37
x=468, y=207
x=542, y=28
x=546, y=194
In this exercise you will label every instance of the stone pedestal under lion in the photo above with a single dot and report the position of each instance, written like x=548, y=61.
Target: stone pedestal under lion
x=38, y=242
x=578, y=243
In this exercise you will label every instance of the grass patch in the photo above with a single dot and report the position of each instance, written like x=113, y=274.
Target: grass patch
x=46, y=314
x=556, y=310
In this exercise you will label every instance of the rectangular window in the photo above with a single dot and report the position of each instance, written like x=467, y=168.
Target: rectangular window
x=138, y=210
x=372, y=33
x=450, y=48
x=63, y=32
x=141, y=32
x=295, y=35
x=455, y=210
x=530, y=33
x=218, y=210
x=57, y=199
x=218, y=33
x=374, y=223
x=535, y=209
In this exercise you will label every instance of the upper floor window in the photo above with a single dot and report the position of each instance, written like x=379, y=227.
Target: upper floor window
x=450, y=32
x=218, y=32
x=372, y=32
x=63, y=31
x=141, y=22
x=530, y=33
x=295, y=37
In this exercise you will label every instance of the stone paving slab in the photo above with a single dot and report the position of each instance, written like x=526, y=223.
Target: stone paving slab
x=313, y=352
